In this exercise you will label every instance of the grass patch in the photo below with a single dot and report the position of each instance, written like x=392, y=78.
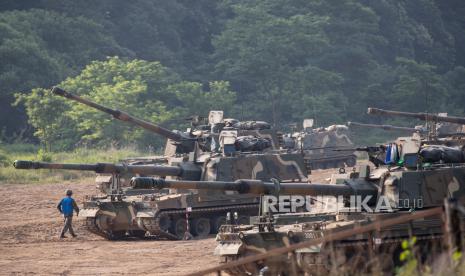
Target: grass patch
x=9, y=153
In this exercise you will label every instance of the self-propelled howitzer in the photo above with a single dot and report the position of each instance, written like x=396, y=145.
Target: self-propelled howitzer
x=137, y=211
x=163, y=214
x=356, y=199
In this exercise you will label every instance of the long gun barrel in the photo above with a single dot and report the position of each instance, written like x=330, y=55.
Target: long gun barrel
x=421, y=116
x=385, y=127
x=104, y=168
x=371, y=149
x=120, y=115
x=258, y=187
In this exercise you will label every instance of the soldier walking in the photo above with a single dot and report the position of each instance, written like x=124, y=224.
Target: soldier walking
x=66, y=206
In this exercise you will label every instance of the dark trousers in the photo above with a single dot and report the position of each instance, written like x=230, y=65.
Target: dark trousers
x=68, y=226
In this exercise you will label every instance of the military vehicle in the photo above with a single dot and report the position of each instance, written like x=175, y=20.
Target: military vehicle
x=225, y=149
x=414, y=178
x=124, y=211
x=439, y=128
x=317, y=145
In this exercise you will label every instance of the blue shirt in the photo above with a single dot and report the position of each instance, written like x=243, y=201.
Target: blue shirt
x=67, y=205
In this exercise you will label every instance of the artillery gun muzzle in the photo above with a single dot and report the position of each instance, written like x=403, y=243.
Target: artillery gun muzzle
x=58, y=91
x=24, y=165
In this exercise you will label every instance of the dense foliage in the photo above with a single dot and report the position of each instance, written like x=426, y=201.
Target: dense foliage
x=143, y=89
x=285, y=60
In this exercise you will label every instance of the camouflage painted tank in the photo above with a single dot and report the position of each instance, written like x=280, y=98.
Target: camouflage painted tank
x=125, y=211
x=213, y=155
x=318, y=144
x=411, y=181
x=224, y=149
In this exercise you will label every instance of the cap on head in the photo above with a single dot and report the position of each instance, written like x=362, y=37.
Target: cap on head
x=69, y=192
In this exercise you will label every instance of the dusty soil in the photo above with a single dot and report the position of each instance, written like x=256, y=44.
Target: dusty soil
x=29, y=243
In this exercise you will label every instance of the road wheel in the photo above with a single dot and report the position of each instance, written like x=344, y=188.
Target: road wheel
x=164, y=223
x=217, y=222
x=201, y=227
x=179, y=227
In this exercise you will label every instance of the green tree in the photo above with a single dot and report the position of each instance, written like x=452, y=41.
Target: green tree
x=418, y=87
x=455, y=81
x=260, y=50
x=195, y=100
x=47, y=114
x=147, y=90
x=286, y=59
x=39, y=48
x=176, y=33
x=132, y=86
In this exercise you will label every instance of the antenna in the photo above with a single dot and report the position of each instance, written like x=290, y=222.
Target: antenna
x=431, y=123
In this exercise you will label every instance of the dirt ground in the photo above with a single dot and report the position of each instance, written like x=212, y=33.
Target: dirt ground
x=29, y=243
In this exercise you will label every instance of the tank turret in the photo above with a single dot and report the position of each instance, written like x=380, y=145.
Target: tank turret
x=317, y=145
x=386, y=127
x=420, y=116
